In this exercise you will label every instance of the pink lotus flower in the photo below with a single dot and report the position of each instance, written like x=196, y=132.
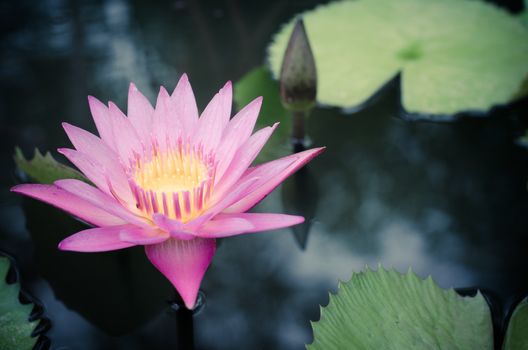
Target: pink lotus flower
x=169, y=180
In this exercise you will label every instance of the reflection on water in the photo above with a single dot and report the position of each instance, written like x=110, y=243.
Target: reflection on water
x=300, y=196
x=447, y=199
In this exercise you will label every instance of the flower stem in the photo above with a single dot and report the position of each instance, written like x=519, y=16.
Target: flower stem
x=184, y=324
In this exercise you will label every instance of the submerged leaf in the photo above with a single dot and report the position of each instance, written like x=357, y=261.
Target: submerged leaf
x=116, y=291
x=517, y=333
x=44, y=168
x=15, y=328
x=456, y=55
x=387, y=310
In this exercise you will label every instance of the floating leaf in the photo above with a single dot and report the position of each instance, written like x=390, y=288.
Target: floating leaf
x=258, y=82
x=45, y=169
x=386, y=310
x=517, y=333
x=453, y=55
x=15, y=328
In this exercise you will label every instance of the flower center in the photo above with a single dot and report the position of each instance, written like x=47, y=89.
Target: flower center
x=176, y=183
x=171, y=172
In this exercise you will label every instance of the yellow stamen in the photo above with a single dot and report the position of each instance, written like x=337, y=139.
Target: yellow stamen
x=175, y=183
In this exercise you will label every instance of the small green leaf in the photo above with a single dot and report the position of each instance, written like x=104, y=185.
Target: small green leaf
x=384, y=309
x=453, y=55
x=517, y=333
x=45, y=169
x=258, y=82
x=15, y=328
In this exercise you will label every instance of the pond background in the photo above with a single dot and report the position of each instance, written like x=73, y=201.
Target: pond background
x=448, y=199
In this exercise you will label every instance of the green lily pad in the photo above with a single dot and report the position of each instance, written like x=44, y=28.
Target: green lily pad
x=44, y=168
x=258, y=82
x=15, y=328
x=517, y=333
x=384, y=309
x=453, y=55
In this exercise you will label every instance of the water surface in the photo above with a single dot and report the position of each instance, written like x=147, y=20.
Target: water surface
x=448, y=199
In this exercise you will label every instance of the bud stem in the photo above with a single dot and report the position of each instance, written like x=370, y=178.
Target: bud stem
x=298, y=127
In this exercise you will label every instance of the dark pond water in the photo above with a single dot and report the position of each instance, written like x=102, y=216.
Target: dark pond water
x=448, y=199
